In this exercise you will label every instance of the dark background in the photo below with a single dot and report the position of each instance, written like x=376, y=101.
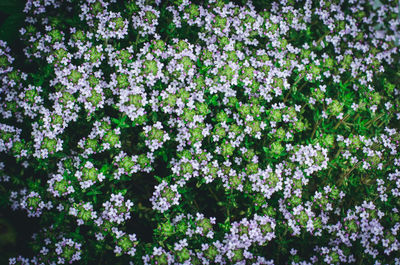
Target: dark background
x=16, y=229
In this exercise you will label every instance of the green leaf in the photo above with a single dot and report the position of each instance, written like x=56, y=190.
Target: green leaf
x=72, y=22
x=93, y=192
x=159, y=179
x=59, y=219
x=199, y=63
x=214, y=100
x=165, y=157
x=105, y=168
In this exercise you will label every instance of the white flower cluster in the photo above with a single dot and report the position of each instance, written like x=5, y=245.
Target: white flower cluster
x=117, y=209
x=165, y=196
x=146, y=20
x=312, y=157
x=68, y=251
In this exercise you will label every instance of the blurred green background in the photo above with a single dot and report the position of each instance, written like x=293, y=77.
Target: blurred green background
x=11, y=19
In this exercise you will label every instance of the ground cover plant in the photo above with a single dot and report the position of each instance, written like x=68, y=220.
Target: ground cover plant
x=192, y=132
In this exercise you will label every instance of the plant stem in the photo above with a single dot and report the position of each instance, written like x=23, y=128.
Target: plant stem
x=348, y=173
x=213, y=194
x=342, y=120
x=197, y=206
x=302, y=86
x=315, y=129
x=290, y=90
x=372, y=121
